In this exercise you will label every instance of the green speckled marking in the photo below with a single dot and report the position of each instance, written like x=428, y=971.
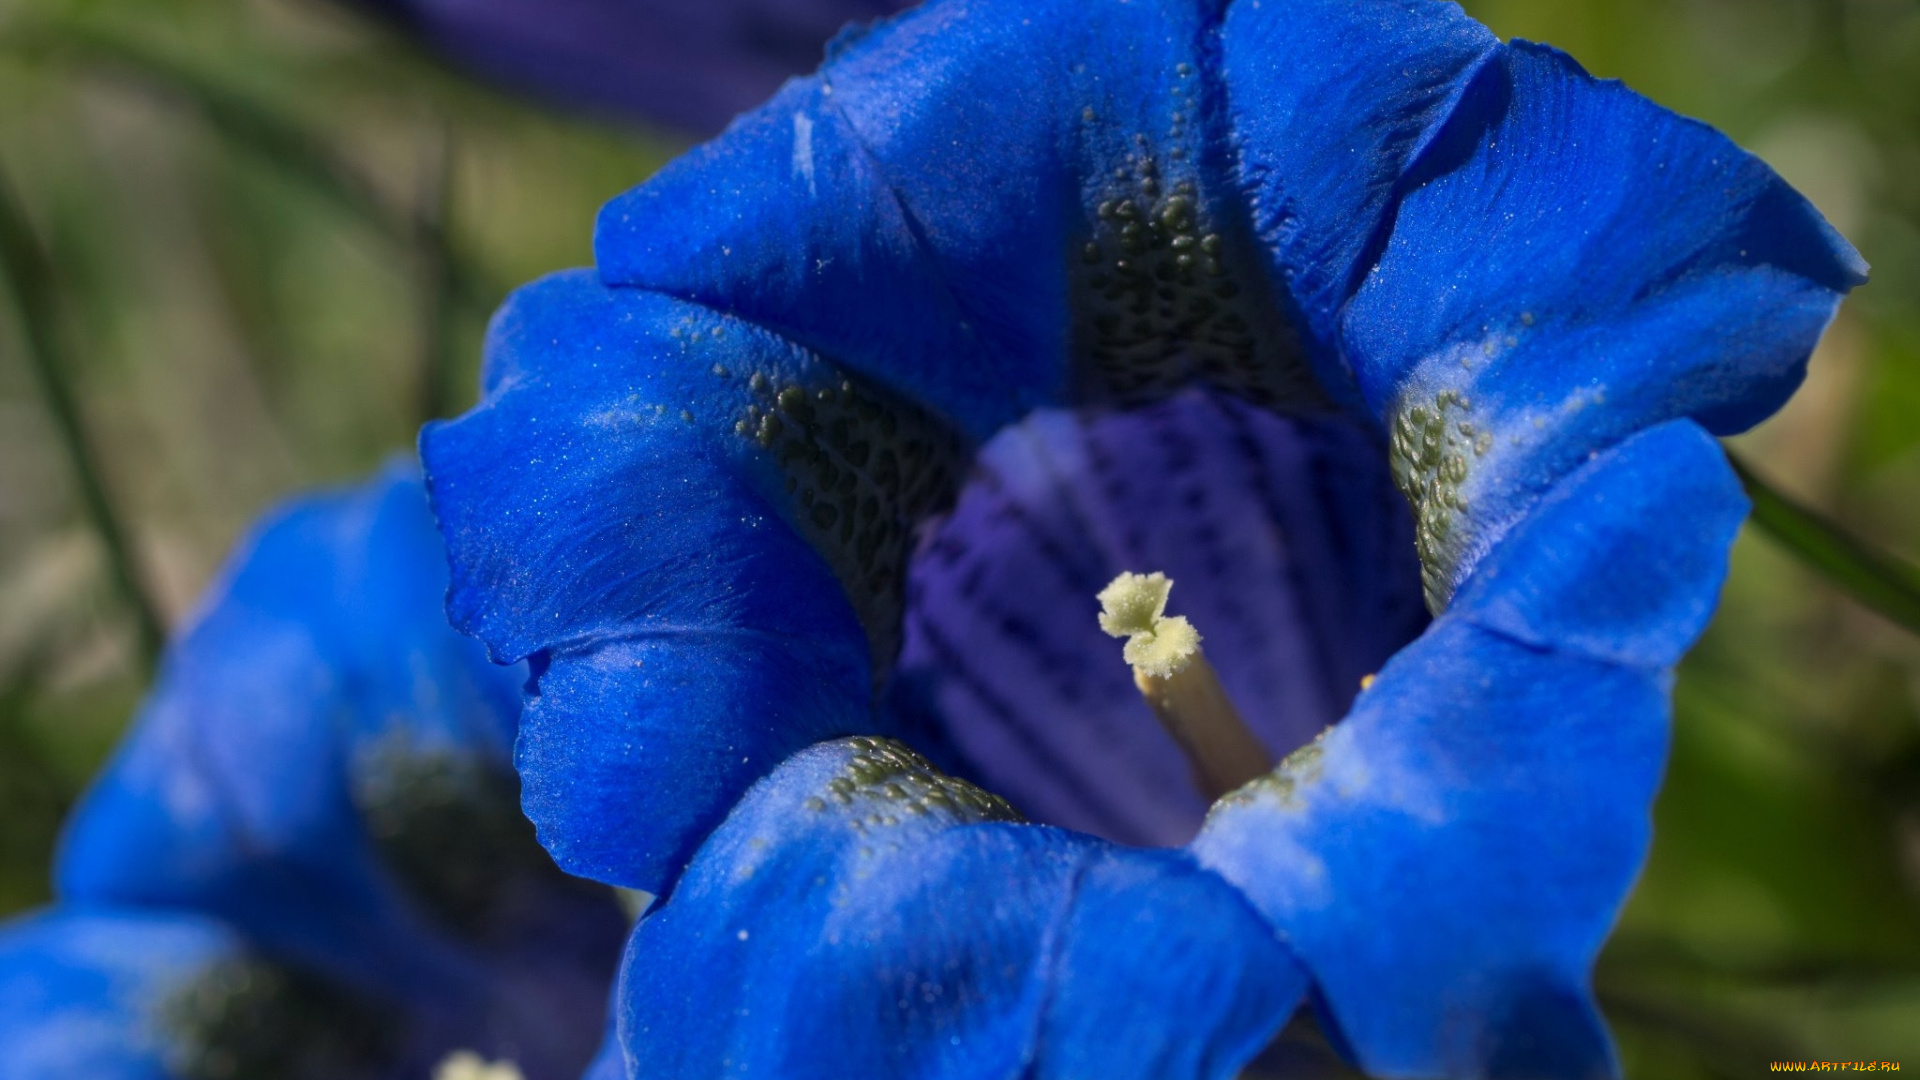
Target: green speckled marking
x=863, y=469
x=1432, y=452
x=448, y=826
x=1164, y=297
x=1283, y=784
x=885, y=782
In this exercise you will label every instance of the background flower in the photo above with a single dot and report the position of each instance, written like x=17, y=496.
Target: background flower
x=691, y=64
x=308, y=854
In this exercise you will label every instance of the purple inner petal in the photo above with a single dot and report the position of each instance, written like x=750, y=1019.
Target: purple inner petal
x=1290, y=550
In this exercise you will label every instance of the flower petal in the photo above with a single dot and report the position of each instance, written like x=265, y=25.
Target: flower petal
x=632, y=752
x=1288, y=547
x=1331, y=102
x=790, y=199
x=618, y=506
x=670, y=608
x=1161, y=975
x=959, y=206
x=81, y=993
x=1570, y=263
x=611, y=1062
x=1447, y=860
x=325, y=765
x=1624, y=560
x=860, y=901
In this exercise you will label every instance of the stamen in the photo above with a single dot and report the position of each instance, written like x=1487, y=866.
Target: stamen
x=1180, y=685
x=467, y=1065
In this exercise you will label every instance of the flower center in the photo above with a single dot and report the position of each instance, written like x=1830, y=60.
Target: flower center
x=447, y=825
x=249, y=1018
x=1294, y=553
x=1196, y=441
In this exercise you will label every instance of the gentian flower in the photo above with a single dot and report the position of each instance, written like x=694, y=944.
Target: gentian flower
x=307, y=857
x=690, y=64
x=1398, y=348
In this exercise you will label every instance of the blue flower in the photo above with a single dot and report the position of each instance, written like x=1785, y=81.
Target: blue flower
x=690, y=64
x=1400, y=349
x=307, y=857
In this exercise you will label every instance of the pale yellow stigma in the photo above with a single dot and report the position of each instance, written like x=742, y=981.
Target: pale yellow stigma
x=1180, y=685
x=1134, y=607
x=467, y=1065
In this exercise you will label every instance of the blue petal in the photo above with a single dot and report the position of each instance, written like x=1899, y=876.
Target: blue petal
x=1447, y=860
x=1506, y=263
x=633, y=751
x=790, y=200
x=928, y=211
x=82, y=993
x=1568, y=264
x=325, y=764
x=1624, y=560
x=688, y=63
x=634, y=550
x=1161, y=973
x=862, y=915
x=611, y=1061
x=1287, y=544
x=1332, y=101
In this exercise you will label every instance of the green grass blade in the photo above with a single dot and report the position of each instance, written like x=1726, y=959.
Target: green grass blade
x=440, y=299
x=28, y=276
x=1874, y=579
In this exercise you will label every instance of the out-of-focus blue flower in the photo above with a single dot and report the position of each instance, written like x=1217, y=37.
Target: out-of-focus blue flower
x=307, y=858
x=690, y=64
x=1325, y=308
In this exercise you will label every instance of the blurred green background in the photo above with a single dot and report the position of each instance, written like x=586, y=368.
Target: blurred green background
x=274, y=231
